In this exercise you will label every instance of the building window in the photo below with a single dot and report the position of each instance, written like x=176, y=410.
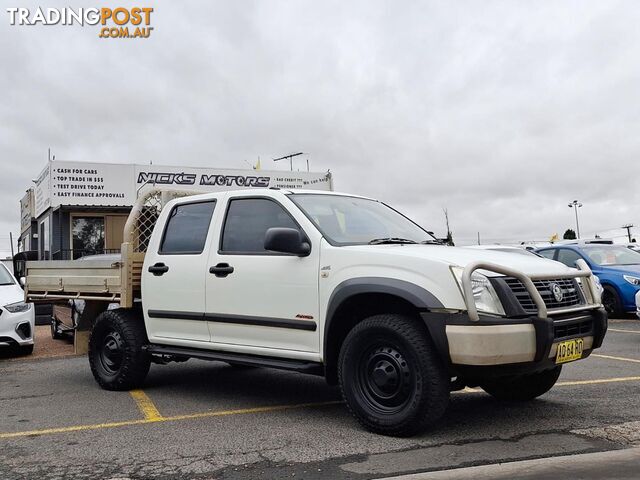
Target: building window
x=87, y=236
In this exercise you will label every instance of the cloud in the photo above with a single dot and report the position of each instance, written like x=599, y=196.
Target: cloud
x=498, y=111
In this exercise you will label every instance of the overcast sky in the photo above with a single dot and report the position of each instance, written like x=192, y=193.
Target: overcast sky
x=502, y=112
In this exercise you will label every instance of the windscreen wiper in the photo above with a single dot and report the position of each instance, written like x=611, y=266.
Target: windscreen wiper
x=432, y=242
x=386, y=240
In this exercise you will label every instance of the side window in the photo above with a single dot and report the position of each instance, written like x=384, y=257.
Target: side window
x=547, y=253
x=247, y=222
x=187, y=227
x=568, y=257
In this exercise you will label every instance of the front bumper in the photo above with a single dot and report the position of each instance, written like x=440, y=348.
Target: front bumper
x=17, y=329
x=494, y=346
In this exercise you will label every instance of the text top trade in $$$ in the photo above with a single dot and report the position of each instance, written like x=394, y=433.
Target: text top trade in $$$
x=119, y=18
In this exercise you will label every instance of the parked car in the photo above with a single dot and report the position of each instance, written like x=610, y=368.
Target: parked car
x=505, y=248
x=328, y=284
x=634, y=246
x=617, y=267
x=17, y=318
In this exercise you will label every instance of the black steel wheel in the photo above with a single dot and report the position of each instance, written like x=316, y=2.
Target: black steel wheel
x=117, y=359
x=385, y=379
x=390, y=376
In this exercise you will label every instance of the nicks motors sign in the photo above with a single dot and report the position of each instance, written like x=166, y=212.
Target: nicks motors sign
x=108, y=184
x=203, y=179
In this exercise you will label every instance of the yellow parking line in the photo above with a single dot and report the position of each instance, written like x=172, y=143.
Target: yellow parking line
x=153, y=416
x=99, y=426
x=146, y=406
x=595, y=382
x=622, y=331
x=622, y=359
x=569, y=383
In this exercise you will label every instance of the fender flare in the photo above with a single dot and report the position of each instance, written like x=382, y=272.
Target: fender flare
x=417, y=296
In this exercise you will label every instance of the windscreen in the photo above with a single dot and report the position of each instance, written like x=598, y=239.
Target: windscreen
x=611, y=255
x=345, y=220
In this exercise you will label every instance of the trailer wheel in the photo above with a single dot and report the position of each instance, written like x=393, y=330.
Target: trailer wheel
x=391, y=377
x=117, y=359
x=55, y=328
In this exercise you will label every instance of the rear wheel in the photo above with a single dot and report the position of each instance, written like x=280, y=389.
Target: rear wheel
x=391, y=377
x=523, y=387
x=115, y=350
x=611, y=301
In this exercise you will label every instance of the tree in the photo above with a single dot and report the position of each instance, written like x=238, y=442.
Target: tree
x=570, y=234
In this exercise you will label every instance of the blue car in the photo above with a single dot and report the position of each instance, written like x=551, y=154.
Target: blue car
x=618, y=268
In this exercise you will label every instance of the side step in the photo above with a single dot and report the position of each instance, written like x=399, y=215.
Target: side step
x=313, y=368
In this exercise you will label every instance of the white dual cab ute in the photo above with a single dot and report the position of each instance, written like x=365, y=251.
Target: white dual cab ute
x=328, y=284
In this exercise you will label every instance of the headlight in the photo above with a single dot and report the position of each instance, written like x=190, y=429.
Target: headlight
x=484, y=294
x=17, y=307
x=632, y=280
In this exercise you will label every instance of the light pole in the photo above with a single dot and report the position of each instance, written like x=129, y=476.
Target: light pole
x=576, y=205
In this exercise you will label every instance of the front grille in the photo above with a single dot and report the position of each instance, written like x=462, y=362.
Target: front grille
x=572, y=328
x=569, y=287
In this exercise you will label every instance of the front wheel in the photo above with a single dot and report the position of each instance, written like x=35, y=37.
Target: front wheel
x=117, y=359
x=524, y=387
x=390, y=376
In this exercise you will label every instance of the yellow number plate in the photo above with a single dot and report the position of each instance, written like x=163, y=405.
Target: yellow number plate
x=569, y=350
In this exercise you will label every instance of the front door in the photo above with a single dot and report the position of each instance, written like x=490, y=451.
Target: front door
x=259, y=298
x=174, y=275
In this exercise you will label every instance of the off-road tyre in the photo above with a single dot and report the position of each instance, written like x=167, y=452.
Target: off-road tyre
x=117, y=359
x=391, y=377
x=524, y=387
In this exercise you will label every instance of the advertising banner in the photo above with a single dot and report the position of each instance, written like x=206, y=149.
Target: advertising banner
x=108, y=184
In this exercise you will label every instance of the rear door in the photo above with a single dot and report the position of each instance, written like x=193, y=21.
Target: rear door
x=174, y=274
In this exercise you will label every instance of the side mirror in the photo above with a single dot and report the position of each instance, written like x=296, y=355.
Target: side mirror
x=286, y=240
x=23, y=281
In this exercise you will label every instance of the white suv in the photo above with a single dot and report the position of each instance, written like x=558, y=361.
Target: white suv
x=17, y=318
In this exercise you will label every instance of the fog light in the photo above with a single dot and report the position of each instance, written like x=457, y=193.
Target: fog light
x=24, y=330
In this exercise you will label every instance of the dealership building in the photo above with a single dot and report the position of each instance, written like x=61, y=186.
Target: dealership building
x=80, y=208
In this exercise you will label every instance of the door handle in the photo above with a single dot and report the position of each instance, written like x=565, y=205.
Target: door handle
x=158, y=269
x=221, y=270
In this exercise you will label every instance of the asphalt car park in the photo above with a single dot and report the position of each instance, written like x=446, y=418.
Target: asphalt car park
x=210, y=420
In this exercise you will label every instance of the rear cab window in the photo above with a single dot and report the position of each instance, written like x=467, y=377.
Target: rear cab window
x=187, y=228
